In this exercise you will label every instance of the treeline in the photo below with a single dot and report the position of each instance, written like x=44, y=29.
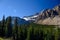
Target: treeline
x=28, y=32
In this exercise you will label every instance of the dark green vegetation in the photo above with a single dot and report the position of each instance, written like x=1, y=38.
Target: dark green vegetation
x=28, y=32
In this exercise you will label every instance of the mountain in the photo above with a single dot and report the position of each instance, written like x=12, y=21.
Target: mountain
x=31, y=18
x=46, y=16
x=20, y=21
x=49, y=16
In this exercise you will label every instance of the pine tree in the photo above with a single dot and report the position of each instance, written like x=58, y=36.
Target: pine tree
x=30, y=35
x=8, y=26
x=22, y=32
x=15, y=33
x=3, y=26
x=0, y=29
x=21, y=36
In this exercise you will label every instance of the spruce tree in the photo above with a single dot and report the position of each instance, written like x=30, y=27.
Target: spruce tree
x=15, y=33
x=9, y=26
x=0, y=29
x=22, y=32
x=30, y=35
x=3, y=26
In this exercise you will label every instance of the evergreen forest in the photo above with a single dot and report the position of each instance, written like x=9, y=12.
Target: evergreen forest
x=30, y=31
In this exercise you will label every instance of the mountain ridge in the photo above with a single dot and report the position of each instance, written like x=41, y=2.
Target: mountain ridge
x=20, y=21
x=48, y=16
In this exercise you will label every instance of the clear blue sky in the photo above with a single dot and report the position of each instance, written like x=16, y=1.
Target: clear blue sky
x=22, y=8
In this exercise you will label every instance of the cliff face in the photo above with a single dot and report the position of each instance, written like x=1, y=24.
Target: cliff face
x=49, y=16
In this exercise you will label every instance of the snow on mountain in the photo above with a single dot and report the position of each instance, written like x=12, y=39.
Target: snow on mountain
x=31, y=18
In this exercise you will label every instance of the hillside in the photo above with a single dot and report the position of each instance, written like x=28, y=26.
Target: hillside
x=49, y=16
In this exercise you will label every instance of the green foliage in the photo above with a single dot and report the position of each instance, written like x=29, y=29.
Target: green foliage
x=2, y=27
x=28, y=32
x=8, y=27
x=15, y=32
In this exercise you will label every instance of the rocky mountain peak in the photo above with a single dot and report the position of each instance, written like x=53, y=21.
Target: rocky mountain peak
x=46, y=16
x=49, y=16
x=57, y=8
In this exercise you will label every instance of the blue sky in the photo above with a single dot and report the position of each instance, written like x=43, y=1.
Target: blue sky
x=22, y=8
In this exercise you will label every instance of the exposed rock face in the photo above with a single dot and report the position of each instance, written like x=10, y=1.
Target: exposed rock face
x=49, y=16
x=49, y=21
